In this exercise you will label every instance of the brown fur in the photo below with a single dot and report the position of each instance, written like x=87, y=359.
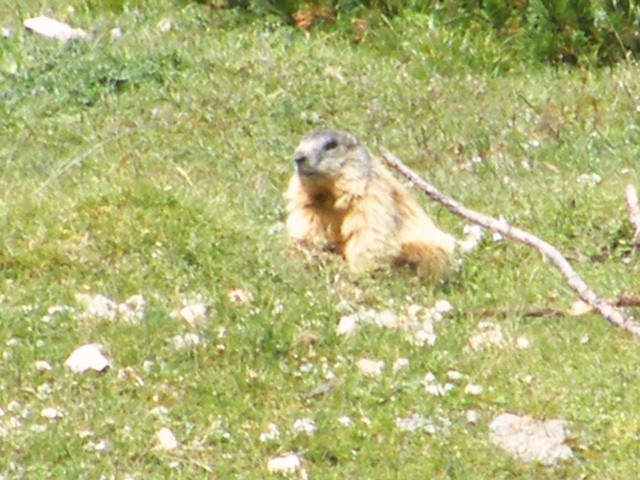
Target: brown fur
x=340, y=198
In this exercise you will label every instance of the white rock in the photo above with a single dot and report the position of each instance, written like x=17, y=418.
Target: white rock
x=115, y=33
x=98, y=306
x=443, y=306
x=43, y=366
x=455, y=376
x=188, y=340
x=473, y=235
x=345, y=421
x=473, y=389
x=416, y=422
x=50, y=28
x=589, y=179
x=239, y=296
x=88, y=357
x=370, y=368
x=51, y=413
x=487, y=335
x=133, y=309
x=270, y=434
x=287, y=464
x=347, y=325
x=101, y=446
x=159, y=411
x=165, y=25
x=579, y=308
x=6, y=32
x=400, y=364
x=472, y=417
x=523, y=343
x=193, y=313
x=531, y=440
x=305, y=426
x=166, y=439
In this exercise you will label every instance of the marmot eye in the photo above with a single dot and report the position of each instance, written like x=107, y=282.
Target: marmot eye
x=331, y=144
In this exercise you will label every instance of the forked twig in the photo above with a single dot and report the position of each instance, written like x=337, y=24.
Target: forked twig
x=634, y=212
x=576, y=283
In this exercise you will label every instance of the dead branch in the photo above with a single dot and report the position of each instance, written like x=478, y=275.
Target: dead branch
x=632, y=209
x=576, y=283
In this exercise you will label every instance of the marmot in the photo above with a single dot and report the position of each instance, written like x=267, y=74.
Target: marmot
x=341, y=198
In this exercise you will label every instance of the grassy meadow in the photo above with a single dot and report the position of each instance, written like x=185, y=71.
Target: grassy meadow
x=154, y=163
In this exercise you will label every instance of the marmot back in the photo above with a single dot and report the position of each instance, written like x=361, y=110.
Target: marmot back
x=341, y=198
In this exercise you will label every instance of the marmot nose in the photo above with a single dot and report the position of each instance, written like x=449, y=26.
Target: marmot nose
x=300, y=159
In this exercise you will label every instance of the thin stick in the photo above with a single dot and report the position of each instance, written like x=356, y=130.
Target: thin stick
x=632, y=209
x=577, y=284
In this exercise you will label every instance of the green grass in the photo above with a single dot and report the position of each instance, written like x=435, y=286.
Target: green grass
x=156, y=163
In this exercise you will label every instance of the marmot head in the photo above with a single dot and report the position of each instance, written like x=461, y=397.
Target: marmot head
x=329, y=154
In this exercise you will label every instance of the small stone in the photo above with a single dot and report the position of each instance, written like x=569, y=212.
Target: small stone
x=166, y=439
x=287, y=464
x=115, y=33
x=50, y=28
x=272, y=433
x=348, y=325
x=455, y=375
x=51, y=413
x=473, y=389
x=43, y=366
x=193, y=313
x=165, y=25
x=370, y=368
x=345, y=421
x=88, y=357
x=522, y=343
x=400, y=364
x=239, y=297
x=472, y=417
x=305, y=426
x=188, y=340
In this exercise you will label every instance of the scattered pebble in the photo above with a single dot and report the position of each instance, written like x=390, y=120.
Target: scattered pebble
x=472, y=236
x=188, y=340
x=370, y=368
x=43, y=366
x=418, y=322
x=434, y=388
x=240, y=297
x=416, y=422
x=473, y=389
x=345, y=421
x=165, y=25
x=287, y=464
x=523, y=343
x=50, y=28
x=455, y=376
x=589, y=179
x=488, y=334
x=271, y=434
x=579, y=308
x=400, y=364
x=115, y=33
x=472, y=417
x=88, y=357
x=159, y=411
x=530, y=440
x=51, y=413
x=166, y=439
x=305, y=426
x=193, y=313
x=99, y=307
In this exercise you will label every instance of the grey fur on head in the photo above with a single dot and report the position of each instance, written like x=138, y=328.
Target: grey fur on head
x=321, y=145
